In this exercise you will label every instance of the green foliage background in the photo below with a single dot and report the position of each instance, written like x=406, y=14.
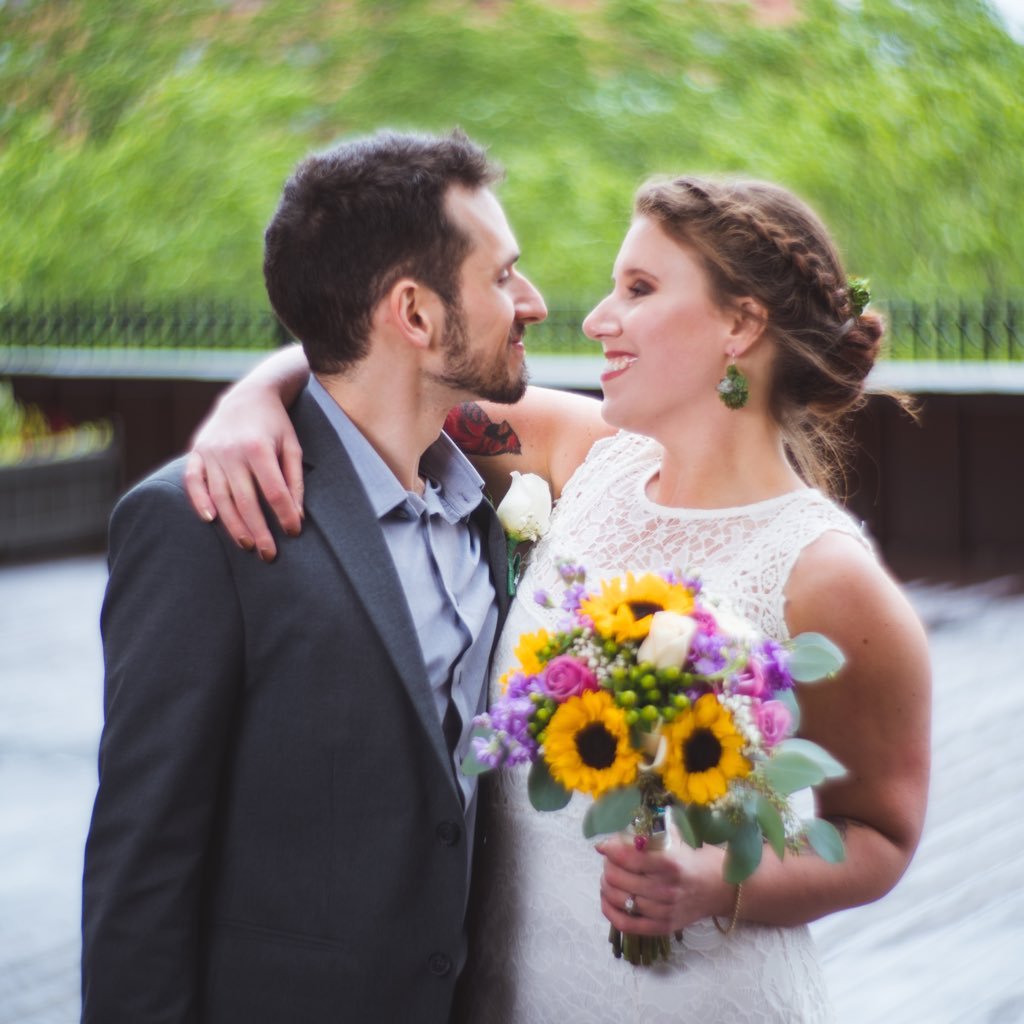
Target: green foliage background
x=143, y=144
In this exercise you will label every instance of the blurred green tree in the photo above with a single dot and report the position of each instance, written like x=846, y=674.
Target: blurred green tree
x=143, y=145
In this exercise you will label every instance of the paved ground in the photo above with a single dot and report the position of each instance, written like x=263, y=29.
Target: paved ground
x=946, y=947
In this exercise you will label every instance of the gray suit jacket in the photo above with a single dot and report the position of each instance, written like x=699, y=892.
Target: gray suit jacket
x=277, y=833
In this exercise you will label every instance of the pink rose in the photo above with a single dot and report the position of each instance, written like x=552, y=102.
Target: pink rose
x=566, y=677
x=774, y=721
x=755, y=682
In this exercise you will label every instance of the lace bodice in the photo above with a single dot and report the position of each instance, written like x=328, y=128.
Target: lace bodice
x=744, y=555
x=544, y=955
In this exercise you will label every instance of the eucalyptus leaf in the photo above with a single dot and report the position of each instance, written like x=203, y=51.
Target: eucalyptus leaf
x=545, y=793
x=612, y=812
x=743, y=852
x=788, y=698
x=772, y=826
x=685, y=826
x=825, y=840
x=813, y=752
x=787, y=772
x=710, y=826
x=813, y=657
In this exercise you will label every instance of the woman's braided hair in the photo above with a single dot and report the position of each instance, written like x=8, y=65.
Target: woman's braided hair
x=756, y=239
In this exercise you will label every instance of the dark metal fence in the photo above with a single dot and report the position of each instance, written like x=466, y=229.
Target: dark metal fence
x=986, y=329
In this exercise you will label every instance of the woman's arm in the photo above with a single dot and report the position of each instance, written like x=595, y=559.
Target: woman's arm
x=547, y=432
x=874, y=717
x=248, y=446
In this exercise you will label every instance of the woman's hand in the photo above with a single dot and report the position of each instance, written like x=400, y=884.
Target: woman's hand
x=249, y=443
x=671, y=888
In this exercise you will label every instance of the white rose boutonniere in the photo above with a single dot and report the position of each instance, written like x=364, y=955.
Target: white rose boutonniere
x=525, y=511
x=524, y=514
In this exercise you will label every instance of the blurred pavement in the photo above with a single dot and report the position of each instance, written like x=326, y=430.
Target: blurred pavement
x=946, y=947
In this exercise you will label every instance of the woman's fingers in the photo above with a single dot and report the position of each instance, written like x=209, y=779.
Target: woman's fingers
x=196, y=489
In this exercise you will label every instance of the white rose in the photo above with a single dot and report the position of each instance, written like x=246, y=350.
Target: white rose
x=525, y=511
x=667, y=644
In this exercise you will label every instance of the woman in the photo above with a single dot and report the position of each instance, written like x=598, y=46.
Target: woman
x=723, y=291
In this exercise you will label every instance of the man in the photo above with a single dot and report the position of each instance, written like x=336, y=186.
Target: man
x=280, y=831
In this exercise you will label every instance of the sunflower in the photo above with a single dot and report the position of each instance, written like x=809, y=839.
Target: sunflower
x=529, y=649
x=704, y=752
x=624, y=608
x=587, y=745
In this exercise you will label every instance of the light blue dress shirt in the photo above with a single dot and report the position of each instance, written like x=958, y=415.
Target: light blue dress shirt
x=441, y=560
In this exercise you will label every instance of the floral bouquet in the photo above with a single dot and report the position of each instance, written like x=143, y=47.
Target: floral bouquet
x=659, y=702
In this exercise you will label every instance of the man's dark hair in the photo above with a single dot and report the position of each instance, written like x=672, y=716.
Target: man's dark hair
x=354, y=220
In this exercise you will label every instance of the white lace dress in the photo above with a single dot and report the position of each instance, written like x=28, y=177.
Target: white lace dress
x=543, y=953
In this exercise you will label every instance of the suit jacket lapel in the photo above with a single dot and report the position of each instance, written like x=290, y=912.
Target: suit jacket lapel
x=334, y=499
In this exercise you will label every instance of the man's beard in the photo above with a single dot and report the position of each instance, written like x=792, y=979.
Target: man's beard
x=462, y=372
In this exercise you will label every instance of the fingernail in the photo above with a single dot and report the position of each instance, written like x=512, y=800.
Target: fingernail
x=266, y=555
x=293, y=532
x=245, y=543
x=208, y=515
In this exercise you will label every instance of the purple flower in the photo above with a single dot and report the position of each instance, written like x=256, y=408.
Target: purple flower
x=566, y=676
x=543, y=598
x=773, y=660
x=691, y=583
x=522, y=685
x=572, y=573
x=489, y=750
x=509, y=741
x=708, y=654
x=774, y=722
x=572, y=597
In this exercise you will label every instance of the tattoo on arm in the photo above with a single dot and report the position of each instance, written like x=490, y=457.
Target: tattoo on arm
x=477, y=434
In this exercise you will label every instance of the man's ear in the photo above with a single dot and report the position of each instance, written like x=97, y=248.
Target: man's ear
x=748, y=325
x=414, y=310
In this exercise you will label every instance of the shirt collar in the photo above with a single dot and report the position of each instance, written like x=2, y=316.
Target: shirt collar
x=460, y=485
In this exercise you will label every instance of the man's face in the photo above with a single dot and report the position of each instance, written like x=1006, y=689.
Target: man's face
x=484, y=354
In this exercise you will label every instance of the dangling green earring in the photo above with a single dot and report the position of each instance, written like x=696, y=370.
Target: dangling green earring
x=733, y=388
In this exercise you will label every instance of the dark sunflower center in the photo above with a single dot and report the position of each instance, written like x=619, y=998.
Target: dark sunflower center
x=701, y=751
x=641, y=609
x=596, y=746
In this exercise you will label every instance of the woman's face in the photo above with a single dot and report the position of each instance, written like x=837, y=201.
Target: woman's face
x=664, y=339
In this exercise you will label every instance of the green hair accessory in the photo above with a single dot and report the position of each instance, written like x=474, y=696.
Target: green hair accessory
x=860, y=295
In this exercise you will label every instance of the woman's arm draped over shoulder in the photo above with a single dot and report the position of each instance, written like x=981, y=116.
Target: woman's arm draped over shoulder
x=247, y=446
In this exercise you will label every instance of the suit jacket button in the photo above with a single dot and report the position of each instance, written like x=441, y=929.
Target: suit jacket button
x=449, y=833
x=439, y=964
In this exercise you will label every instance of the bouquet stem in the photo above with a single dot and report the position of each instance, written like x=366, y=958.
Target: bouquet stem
x=648, y=832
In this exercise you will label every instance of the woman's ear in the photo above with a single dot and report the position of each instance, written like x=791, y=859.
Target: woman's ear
x=747, y=326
